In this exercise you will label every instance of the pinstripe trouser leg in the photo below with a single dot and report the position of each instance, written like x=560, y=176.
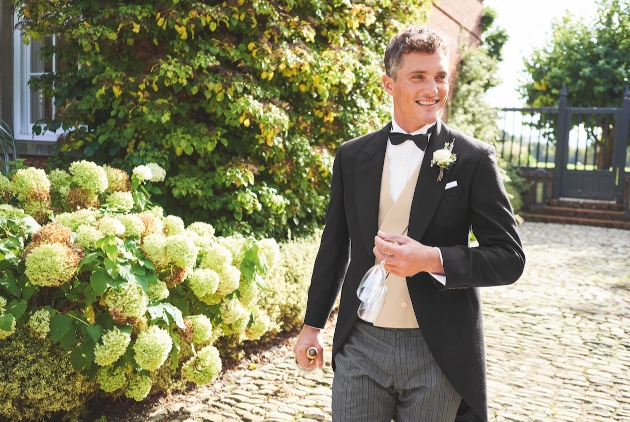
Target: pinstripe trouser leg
x=388, y=373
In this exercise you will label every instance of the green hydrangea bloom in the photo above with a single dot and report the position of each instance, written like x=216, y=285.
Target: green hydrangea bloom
x=154, y=247
x=235, y=245
x=73, y=220
x=158, y=174
x=259, y=327
x=232, y=310
x=122, y=201
x=139, y=387
x=142, y=173
x=181, y=251
x=130, y=301
x=200, y=242
x=49, y=265
x=202, y=329
x=203, y=282
x=111, y=378
x=270, y=250
x=110, y=226
x=134, y=227
x=30, y=182
x=117, y=179
x=89, y=175
x=3, y=305
x=248, y=292
x=39, y=210
x=240, y=324
x=202, y=229
x=87, y=236
x=216, y=257
x=5, y=189
x=204, y=367
x=213, y=299
x=39, y=323
x=152, y=348
x=112, y=346
x=156, y=211
x=229, y=279
x=60, y=181
x=157, y=291
x=173, y=225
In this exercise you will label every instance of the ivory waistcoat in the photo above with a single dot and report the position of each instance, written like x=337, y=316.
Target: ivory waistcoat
x=393, y=217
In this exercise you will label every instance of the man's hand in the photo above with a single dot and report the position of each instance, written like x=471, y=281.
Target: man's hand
x=405, y=257
x=309, y=337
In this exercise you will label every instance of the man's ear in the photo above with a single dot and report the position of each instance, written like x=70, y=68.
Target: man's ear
x=388, y=83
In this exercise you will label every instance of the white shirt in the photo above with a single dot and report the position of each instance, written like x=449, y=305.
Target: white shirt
x=402, y=160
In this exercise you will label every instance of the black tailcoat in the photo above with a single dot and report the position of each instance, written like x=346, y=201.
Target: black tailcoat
x=449, y=316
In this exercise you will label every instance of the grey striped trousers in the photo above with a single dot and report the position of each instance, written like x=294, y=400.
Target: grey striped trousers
x=389, y=373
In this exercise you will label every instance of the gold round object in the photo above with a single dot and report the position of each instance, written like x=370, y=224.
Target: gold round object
x=311, y=353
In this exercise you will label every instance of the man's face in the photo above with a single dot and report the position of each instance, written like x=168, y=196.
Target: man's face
x=420, y=89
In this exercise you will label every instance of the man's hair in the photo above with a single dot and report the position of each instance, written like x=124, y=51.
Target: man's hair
x=414, y=39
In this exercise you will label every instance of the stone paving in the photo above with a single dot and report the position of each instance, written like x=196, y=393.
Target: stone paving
x=558, y=345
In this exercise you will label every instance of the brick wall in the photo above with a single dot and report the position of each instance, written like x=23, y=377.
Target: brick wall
x=459, y=21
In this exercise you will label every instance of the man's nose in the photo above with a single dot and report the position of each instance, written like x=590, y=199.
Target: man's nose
x=431, y=87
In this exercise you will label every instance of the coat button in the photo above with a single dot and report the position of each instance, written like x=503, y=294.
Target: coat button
x=404, y=304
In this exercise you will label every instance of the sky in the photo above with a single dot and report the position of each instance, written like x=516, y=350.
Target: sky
x=528, y=24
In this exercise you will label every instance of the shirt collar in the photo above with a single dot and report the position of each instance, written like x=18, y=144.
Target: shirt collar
x=422, y=130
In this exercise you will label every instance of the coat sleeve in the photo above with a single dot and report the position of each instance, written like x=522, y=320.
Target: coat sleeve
x=499, y=259
x=333, y=256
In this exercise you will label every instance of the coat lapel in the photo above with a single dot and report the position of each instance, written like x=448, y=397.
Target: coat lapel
x=368, y=175
x=428, y=190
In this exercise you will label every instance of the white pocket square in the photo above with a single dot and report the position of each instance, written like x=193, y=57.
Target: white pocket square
x=450, y=185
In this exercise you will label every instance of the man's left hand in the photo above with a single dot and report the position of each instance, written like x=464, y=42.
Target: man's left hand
x=405, y=256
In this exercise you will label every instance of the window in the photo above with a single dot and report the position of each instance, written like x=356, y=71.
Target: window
x=30, y=106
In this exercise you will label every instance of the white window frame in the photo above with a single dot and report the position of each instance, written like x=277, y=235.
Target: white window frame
x=22, y=121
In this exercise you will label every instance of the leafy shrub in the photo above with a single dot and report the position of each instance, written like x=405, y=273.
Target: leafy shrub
x=117, y=298
x=242, y=102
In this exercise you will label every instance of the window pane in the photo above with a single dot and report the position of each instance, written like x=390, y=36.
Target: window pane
x=37, y=64
x=41, y=107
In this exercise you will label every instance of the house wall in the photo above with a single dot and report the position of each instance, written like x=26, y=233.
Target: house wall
x=459, y=21
x=6, y=62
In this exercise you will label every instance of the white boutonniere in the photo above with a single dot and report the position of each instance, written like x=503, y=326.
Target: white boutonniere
x=444, y=158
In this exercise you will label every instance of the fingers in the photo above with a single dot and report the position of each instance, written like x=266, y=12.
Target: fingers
x=309, y=337
x=393, y=238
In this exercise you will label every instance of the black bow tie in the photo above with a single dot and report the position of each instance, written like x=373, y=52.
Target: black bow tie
x=421, y=140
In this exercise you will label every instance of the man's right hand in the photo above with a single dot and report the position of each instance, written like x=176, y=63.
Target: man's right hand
x=309, y=337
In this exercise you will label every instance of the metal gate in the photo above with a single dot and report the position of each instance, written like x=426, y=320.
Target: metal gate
x=586, y=148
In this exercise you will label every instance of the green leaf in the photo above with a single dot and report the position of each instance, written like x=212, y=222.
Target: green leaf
x=87, y=259
x=6, y=322
x=94, y=331
x=28, y=288
x=156, y=311
x=176, y=314
x=145, y=280
x=175, y=352
x=124, y=271
x=68, y=341
x=8, y=282
x=83, y=354
x=17, y=308
x=90, y=295
x=112, y=252
x=59, y=326
x=181, y=304
x=100, y=280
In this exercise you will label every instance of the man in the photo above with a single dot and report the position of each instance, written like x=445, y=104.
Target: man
x=423, y=358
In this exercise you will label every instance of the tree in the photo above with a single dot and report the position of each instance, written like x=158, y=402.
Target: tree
x=242, y=101
x=590, y=58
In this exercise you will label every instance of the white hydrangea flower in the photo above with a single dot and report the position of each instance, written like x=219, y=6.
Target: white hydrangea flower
x=130, y=300
x=142, y=173
x=202, y=329
x=112, y=345
x=204, y=367
x=229, y=279
x=89, y=175
x=181, y=251
x=110, y=226
x=122, y=201
x=134, y=226
x=39, y=323
x=215, y=257
x=270, y=250
x=232, y=310
x=139, y=387
x=158, y=291
x=158, y=174
x=154, y=246
x=173, y=225
x=111, y=378
x=87, y=236
x=203, y=282
x=152, y=348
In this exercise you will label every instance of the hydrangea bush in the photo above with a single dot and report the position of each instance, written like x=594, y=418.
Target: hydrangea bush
x=124, y=290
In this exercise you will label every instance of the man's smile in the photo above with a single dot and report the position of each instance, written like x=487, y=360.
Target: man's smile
x=427, y=102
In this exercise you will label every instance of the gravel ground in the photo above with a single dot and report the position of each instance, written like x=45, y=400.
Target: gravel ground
x=558, y=346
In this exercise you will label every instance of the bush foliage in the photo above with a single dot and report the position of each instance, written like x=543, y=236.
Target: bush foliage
x=243, y=102
x=102, y=294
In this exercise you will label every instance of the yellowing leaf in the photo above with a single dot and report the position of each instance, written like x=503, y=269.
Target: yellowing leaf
x=179, y=151
x=89, y=314
x=213, y=26
x=246, y=122
x=251, y=46
x=264, y=75
x=160, y=22
x=270, y=75
x=155, y=87
x=252, y=366
x=303, y=88
x=117, y=90
x=136, y=27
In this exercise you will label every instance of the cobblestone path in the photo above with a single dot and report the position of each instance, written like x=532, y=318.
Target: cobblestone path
x=558, y=345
